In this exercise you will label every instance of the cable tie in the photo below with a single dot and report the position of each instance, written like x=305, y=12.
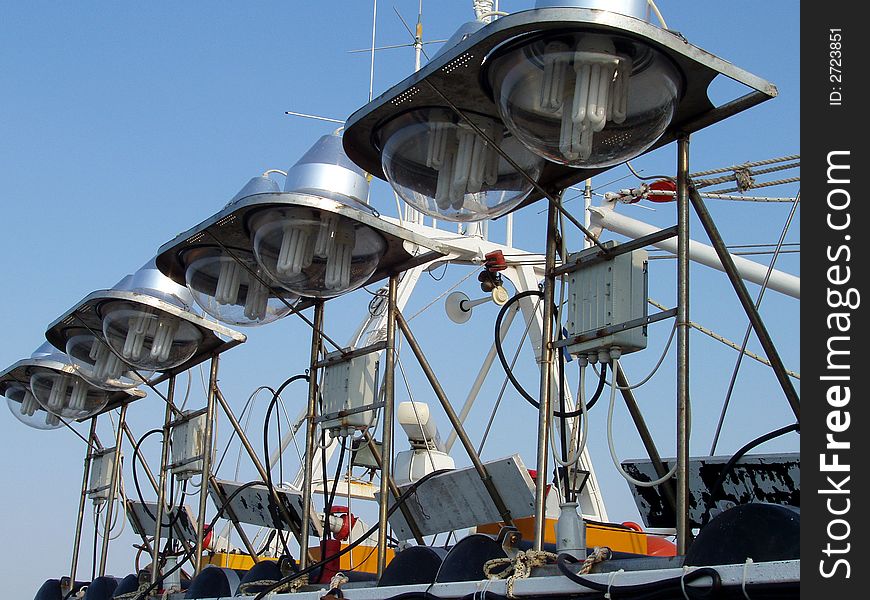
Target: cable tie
x=610, y=582
x=745, y=573
x=683, y=582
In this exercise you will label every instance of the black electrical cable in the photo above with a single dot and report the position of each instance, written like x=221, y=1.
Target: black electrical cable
x=136, y=453
x=190, y=552
x=509, y=372
x=739, y=454
x=396, y=505
x=329, y=495
x=665, y=588
x=273, y=507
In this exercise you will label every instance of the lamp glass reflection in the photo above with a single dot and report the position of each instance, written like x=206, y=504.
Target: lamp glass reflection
x=440, y=165
x=97, y=364
x=26, y=408
x=315, y=253
x=232, y=292
x=584, y=99
x=149, y=338
x=66, y=395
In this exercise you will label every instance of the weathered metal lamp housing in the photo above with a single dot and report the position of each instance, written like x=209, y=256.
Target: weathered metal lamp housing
x=118, y=338
x=583, y=88
x=44, y=388
x=316, y=239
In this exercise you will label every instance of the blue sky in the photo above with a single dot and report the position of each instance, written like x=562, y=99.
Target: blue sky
x=122, y=124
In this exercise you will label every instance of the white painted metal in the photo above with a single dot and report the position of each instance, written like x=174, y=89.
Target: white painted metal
x=607, y=218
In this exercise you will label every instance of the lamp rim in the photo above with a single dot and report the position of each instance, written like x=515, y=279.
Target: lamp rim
x=87, y=314
x=232, y=224
x=468, y=58
x=20, y=372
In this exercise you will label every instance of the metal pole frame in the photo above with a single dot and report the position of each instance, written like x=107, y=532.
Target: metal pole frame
x=389, y=417
x=546, y=372
x=246, y=444
x=161, y=487
x=310, y=432
x=116, y=478
x=746, y=301
x=92, y=440
x=132, y=439
x=683, y=329
x=206, y=462
x=454, y=420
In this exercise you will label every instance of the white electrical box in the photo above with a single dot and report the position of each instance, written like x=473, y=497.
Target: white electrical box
x=603, y=296
x=188, y=441
x=100, y=479
x=349, y=385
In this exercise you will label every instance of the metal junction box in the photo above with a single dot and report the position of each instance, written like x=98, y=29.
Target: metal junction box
x=607, y=302
x=348, y=387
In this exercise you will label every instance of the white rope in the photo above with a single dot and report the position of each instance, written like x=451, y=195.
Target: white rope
x=482, y=8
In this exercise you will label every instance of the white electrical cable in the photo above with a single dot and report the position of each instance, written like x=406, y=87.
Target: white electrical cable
x=657, y=13
x=616, y=463
x=651, y=373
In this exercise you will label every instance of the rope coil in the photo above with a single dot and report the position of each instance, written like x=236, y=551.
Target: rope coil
x=519, y=567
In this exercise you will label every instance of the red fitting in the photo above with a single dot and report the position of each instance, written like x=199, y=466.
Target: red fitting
x=663, y=185
x=495, y=261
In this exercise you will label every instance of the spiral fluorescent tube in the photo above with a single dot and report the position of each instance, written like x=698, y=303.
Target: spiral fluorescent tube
x=596, y=94
x=107, y=365
x=160, y=328
x=464, y=161
x=230, y=280
x=29, y=405
x=331, y=239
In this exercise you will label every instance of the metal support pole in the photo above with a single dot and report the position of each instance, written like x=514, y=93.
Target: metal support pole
x=161, y=486
x=546, y=374
x=179, y=533
x=310, y=432
x=667, y=488
x=748, y=305
x=113, y=490
x=455, y=421
x=389, y=409
x=81, y=514
x=212, y=481
x=206, y=462
x=261, y=470
x=683, y=328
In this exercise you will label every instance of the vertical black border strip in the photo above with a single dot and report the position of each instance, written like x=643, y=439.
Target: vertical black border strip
x=834, y=254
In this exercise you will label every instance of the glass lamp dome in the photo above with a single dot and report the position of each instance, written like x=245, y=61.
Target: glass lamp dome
x=144, y=335
x=582, y=98
x=439, y=165
x=232, y=292
x=66, y=395
x=26, y=408
x=147, y=337
x=313, y=252
x=96, y=363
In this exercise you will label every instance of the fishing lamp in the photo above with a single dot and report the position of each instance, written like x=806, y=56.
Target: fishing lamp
x=118, y=338
x=42, y=390
x=583, y=87
x=318, y=238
